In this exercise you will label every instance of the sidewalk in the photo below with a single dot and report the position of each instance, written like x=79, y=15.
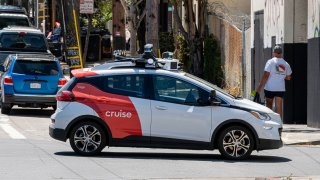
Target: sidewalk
x=293, y=134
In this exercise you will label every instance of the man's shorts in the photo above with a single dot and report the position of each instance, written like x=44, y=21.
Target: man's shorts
x=272, y=94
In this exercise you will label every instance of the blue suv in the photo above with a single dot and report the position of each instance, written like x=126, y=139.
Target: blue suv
x=30, y=80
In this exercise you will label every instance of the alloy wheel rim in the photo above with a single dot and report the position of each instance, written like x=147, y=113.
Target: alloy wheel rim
x=236, y=143
x=87, y=138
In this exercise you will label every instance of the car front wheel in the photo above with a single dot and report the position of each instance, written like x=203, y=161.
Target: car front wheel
x=236, y=143
x=87, y=138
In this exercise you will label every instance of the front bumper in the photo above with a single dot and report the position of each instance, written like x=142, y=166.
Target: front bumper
x=265, y=144
x=22, y=99
x=58, y=134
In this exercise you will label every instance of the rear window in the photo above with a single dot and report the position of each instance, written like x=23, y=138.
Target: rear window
x=45, y=68
x=23, y=42
x=13, y=21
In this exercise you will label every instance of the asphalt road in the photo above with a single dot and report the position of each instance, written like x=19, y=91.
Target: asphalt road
x=28, y=152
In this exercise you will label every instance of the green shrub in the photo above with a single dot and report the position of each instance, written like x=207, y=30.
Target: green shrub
x=212, y=61
x=183, y=53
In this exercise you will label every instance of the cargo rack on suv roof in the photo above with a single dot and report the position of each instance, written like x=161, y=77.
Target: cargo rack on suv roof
x=44, y=57
x=12, y=9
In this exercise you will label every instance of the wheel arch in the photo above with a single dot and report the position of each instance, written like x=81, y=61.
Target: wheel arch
x=95, y=119
x=233, y=122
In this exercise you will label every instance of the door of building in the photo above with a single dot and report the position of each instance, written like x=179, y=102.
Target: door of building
x=258, y=60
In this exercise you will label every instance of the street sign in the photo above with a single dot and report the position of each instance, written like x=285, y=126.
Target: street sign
x=86, y=7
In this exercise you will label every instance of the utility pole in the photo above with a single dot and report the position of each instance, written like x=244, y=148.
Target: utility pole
x=118, y=28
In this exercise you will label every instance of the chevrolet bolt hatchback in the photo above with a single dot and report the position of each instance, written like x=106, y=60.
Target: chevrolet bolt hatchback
x=126, y=104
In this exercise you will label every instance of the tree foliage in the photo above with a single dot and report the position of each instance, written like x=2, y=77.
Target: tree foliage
x=104, y=13
x=212, y=61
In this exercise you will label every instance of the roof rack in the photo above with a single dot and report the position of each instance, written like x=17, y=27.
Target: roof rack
x=12, y=9
x=34, y=57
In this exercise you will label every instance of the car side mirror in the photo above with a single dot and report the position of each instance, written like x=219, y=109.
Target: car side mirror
x=203, y=102
x=1, y=68
x=213, y=98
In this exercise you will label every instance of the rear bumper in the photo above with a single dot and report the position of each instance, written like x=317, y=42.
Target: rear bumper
x=58, y=134
x=22, y=99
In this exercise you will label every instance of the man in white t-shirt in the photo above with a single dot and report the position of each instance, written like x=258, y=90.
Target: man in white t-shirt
x=276, y=71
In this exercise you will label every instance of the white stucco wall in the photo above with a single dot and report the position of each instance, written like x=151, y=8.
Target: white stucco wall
x=287, y=20
x=301, y=21
x=273, y=22
x=248, y=63
x=295, y=24
x=313, y=19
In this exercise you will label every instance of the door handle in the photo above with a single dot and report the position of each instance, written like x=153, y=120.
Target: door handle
x=161, y=107
x=103, y=100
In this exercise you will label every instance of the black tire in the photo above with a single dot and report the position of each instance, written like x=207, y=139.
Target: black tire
x=236, y=143
x=87, y=145
x=5, y=108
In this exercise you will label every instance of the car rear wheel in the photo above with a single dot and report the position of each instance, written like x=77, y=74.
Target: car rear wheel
x=236, y=143
x=87, y=138
x=5, y=108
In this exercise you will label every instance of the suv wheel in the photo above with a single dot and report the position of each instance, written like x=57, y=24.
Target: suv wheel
x=5, y=108
x=87, y=138
x=235, y=143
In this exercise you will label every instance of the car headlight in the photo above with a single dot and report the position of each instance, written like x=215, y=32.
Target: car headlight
x=261, y=115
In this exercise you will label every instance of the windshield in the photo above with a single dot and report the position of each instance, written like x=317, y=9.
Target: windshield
x=208, y=84
x=45, y=68
x=13, y=21
x=22, y=42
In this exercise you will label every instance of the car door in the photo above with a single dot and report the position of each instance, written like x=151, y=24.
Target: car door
x=121, y=102
x=177, y=114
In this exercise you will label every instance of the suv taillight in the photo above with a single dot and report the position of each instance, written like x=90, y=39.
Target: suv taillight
x=65, y=96
x=8, y=80
x=62, y=82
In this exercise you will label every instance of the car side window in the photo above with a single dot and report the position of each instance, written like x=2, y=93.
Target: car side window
x=127, y=85
x=173, y=90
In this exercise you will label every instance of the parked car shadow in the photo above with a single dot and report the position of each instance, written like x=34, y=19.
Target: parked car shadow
x=181, y=156
x=31, y=112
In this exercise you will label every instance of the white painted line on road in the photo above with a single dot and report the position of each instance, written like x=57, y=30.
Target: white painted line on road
x=13, y=133
x=4, y=118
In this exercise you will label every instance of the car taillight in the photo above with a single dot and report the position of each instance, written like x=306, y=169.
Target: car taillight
x=8, y=80
x=62, y=82
x=65, y=96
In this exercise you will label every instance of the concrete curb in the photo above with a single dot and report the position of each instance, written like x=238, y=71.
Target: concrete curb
x=294, y=134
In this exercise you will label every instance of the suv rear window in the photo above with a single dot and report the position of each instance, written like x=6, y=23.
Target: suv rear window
x=23, y=42
x=13, y=21
x=45, y=68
